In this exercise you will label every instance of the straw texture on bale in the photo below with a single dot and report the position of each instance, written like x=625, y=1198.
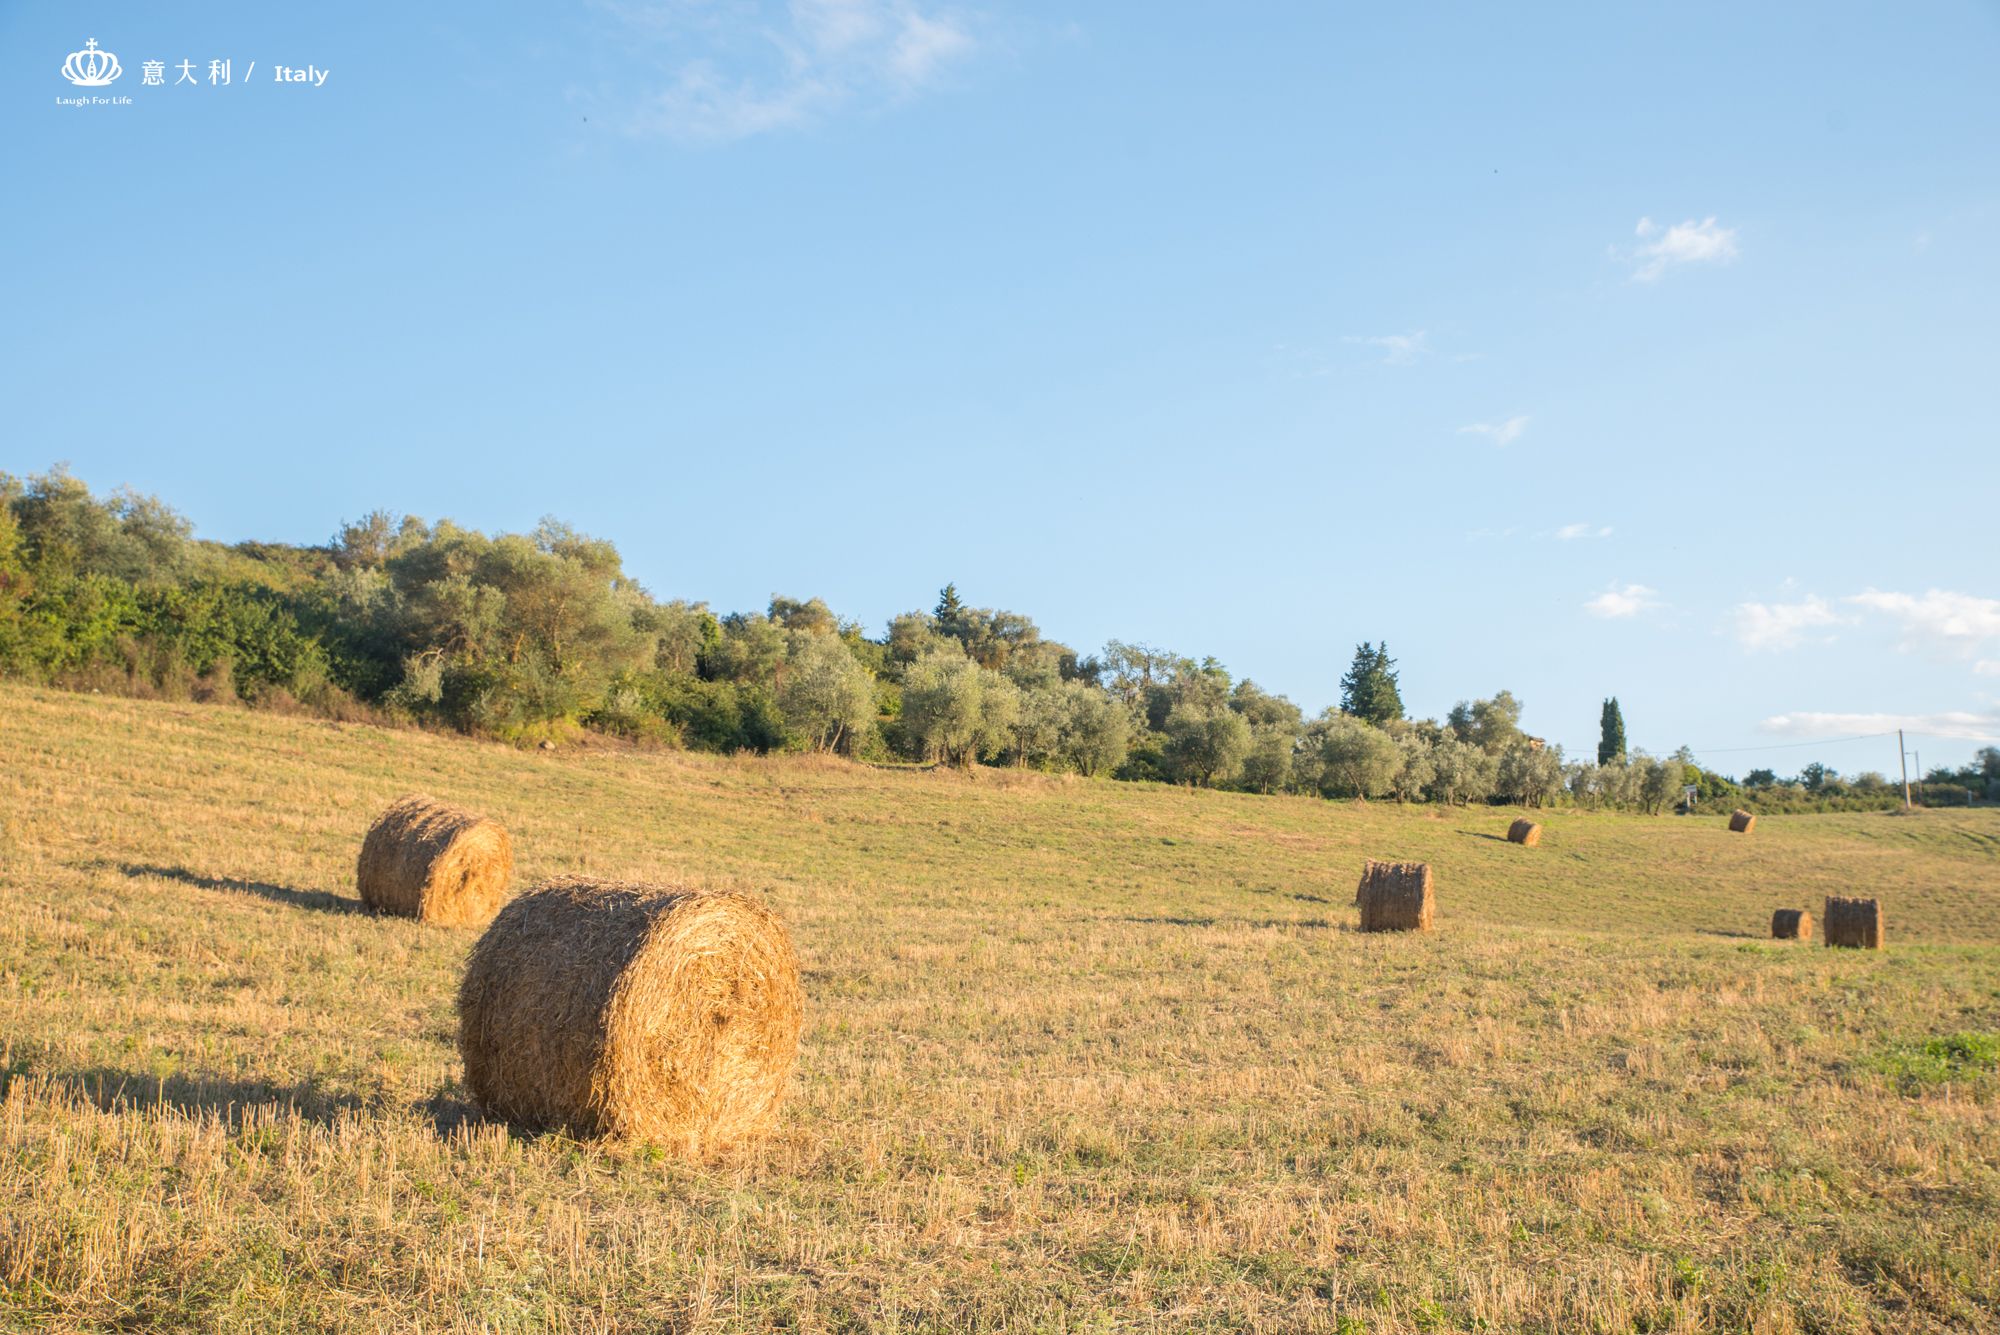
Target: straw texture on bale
x=1852, y=922
x=1396, y=897
x=657, y=1013
x=1741, y=821
x=1791, y=925
x=434, y=862
x=1524, y=832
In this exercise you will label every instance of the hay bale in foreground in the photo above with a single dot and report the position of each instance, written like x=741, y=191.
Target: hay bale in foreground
x=1741, y=821
x=434, y=862
x=656, y=1013
x=1791, y=925
x=1852, y=922
x=1524, y=832
x=1396, y=897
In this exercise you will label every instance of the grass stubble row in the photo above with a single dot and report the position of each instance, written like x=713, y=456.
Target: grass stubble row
x=1074, y=1056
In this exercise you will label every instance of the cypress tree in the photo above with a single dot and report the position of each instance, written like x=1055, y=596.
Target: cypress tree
x=1611, y=734
x=1368, y=691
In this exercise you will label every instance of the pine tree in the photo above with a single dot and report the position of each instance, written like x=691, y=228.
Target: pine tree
x=1611, y=734
x=949, y=607
x=1368, y=691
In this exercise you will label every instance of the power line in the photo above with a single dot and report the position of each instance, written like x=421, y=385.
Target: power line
x=1789, y=746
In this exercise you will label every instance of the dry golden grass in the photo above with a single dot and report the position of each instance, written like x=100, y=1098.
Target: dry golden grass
x=1077, y=1056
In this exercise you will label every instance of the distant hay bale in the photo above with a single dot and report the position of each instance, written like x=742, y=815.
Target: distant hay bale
x=434, y=862
x=1395, y=897
x=645, y=1012
x=1852, y=922
x=1741, y=821
x=1524, y=832
x=1791, y=925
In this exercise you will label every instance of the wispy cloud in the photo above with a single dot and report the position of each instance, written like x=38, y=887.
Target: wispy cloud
x=1571, y=532
x=1971, y=727
x=1955, y=622
x=1987, y=667
x=743, y=67
x=1628, y=601
x=1402, y=348
x=1781, y=625
x=1504, y=433
x=1684, y=243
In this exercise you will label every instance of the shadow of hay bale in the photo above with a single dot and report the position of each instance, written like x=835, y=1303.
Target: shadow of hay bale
x=317, y=901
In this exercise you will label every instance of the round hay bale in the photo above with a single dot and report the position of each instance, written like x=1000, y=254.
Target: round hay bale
x=1524, y=832
x=646, y=1012
x=1741, y=821
x=1852, y=922
x=434, y=862
x=1791, y=925
x=1396, y=896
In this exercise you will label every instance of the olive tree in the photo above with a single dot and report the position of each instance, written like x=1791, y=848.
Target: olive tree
x=1037, y=727
x=953, y=709
x=1530, y=775
x=1353, y=756
x=1582, y=779
x=1268, y=765
x=828, y=698
x=1461, y=771
x=1205, y=744
x=1416, y=766
x=1659, y=783
x=1095, y=729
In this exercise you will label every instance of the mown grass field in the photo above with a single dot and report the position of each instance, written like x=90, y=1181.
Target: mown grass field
x=1078, y=1057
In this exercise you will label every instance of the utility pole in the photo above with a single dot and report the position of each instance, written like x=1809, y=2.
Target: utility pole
x=1904, y=757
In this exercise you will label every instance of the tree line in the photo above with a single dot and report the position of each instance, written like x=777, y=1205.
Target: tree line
x=532, y=636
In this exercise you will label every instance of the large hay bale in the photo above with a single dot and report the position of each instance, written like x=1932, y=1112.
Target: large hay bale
x=1741, y=821
x=647, y=1012
x=434, y=862
x=1852, y=922
x=1791, y=925
x=1524, y=832
x=1395, y=897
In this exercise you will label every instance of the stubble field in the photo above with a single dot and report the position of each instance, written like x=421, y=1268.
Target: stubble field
x=1078, y=1057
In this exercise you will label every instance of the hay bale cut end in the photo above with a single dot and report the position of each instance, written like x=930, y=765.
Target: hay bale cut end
x=434, y=862
x=1396, y=897
x=645, y=1012
x=1524, y=832
x=1791, y=925
x=1741, y=821
x=1856, y=923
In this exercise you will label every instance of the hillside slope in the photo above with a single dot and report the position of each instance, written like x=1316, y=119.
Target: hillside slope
x=1075, y=1053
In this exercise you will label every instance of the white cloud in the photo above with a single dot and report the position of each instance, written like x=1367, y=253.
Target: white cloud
x=1690, y=242
x=1956, y=622
x=1503, y=434
x=1987, y=667
x=1403, y=348
x=1970, y=727
x=1570, y=532
x=1626, y=602
x=1781, y=625
x=740, y=68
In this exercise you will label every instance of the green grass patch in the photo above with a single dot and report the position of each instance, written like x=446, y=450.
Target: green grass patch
x=1961, y=1056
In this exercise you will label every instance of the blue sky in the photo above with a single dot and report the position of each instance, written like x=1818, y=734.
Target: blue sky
x=1581, y=350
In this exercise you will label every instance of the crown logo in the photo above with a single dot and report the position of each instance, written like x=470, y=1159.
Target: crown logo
x=91, y=67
